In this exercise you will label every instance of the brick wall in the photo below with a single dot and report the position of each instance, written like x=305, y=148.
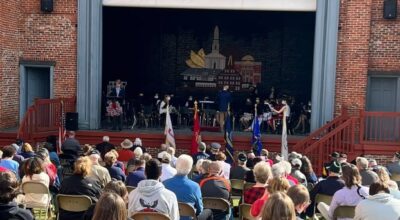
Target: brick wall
x=383, y=160
x=30, y=35
x=9, y=53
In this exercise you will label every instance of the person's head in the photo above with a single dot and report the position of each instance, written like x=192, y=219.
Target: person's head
x=215, y=147
x=378, y=187
x=19, y=142
x=71, y=134
x=166, y=158
x=372, y=163
x=296, y=163
x=396, y=157
x=284, y=102
x=110, y=158
x=362, y=163
x=8, y=187
x=184, y=165
x=335, y=156
x=262, y=172
x=138, y=152
x=106, y=139
x=385, y=178
x=306, y=166
x=8, y=151
x=171, y=151
x=140, y=162
x=50, y=147
x=287, y=166
x=278, y=184
x=43, y=154
x=110, y=207
x=220, y=156
x=215, y=168
x=334, y=169
x=94, y=156
x=351, y=175
x=342, y=158
x=118, y=187
x=33, y=165
x=226, y=87
x=86, y=149
x=137, y=142
x=118, y=83
x=26, y=147
x=264, y=153
x=167, y=98
x=279, y=206
x=202, y=147
x=205, y=166
x=163, y=147
x=242, y=159
x=83, y=166
x=146, y=157
x=300, y=197
x=278, y=170
x=152, y=169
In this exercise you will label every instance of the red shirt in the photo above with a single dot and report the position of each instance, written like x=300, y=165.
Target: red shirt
x=125, y=155
x=2, y=169
x=257, y=206
x=291, y=178
x=252, y=194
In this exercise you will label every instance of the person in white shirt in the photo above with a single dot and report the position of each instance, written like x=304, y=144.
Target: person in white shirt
x=167, y=171
x=34, y=171
x=226, y=167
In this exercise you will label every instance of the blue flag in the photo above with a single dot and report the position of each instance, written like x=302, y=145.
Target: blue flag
x=228, y=140
x=256, y=139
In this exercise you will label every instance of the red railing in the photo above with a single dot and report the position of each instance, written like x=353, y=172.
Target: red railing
x=380, y=128
x=341, y=139
x=302, y=145
x=45, y=115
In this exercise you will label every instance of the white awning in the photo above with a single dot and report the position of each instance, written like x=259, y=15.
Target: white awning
x=260, y=5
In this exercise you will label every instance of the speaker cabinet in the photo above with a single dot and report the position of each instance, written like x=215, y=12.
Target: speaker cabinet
x=46, y=5
x=390, y=9
x=71, y=121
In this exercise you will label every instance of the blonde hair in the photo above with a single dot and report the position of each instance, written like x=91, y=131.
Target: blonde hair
x=83, y=166
x=110, y=158
x=262, y=172
x=26, y=147
x=279, y=207
x=278, y=184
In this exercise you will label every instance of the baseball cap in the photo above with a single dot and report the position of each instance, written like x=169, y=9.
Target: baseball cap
x=335, y=167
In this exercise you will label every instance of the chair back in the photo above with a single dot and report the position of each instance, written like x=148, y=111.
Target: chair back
x=395, y=177
x=247, y=186
x=130, y=188
x=244, y=212
x=237, y=184
x=323, y=198
x=344, y=212
x=216, y=203
x=149, y=216
x=186, y=210
x=73, y=203
x=35, y=188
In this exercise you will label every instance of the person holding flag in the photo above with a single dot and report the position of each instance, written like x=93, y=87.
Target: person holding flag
x=196, y=139
x=256, y=137
x=169, y=131
x=286, y=113
x=229, y=151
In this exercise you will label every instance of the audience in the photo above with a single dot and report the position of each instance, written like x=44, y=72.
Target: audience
x=7, y=160
x=329, y=186
x=262, y=173
x=307, y=169
x=54, y=158
x=264, y=156
x=394, y=167
x=151, y=195
x=105, y=146
x=201, y=154
x=202, y=167
x=171, y=151
x=226, y=167
x=214, y=149
x=300, y=197
x=34, y=171
x=18, y=158
x=163, y=148
x=9, y=188
x=335, y=157
x=279, y=206
x=27, y=151
x=80, y=184
x=138, y=174
x=49, y=167
x=296, y=173
x=186, y=190
x=138, y=152
x=167, y=171
x=379, y=205
x=115, y=172
x=125, y=154
x=350, y=195
x=98, y=172
x=71, y=145
x=110, y=207
x=239, y=171
x=367, y=176
x=384, y=178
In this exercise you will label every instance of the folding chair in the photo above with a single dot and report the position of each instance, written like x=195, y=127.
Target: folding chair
x=237, y=190
x=33, y=187
x=73, y=203
x=323, y=198
x=187, y=210
x=344, y=212
x=216, y=203
x=149, y=216
x=246, y=186
x=130, y=188
x=244, y=212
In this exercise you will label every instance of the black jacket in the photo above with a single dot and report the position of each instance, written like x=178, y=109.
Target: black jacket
x=104, y=147
x=13, y=212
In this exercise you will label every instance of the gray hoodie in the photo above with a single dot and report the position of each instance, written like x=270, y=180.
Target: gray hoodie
x=151, y=195
x=379, y=206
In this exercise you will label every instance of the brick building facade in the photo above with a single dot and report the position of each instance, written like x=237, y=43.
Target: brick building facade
x=366, y=43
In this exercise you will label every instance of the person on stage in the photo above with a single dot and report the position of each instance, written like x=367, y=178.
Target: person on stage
x=224, y=99
x=114, y=110
x=118, y=91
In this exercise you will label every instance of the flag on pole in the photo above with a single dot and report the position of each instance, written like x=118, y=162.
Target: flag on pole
x=168, y=131
x=256, y=139
x=228, y=140
x=61, y=128
x=196, y=131
x=284, y=147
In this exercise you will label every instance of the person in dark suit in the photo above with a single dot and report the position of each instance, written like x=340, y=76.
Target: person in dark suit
x=105, y=146
x=118, y=91
x=224, y=98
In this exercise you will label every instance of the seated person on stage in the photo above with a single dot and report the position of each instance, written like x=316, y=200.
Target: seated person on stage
x=151, y=195
x=186, y=190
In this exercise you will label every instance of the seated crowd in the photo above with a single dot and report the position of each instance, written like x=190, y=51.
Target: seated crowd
x=121, y=181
